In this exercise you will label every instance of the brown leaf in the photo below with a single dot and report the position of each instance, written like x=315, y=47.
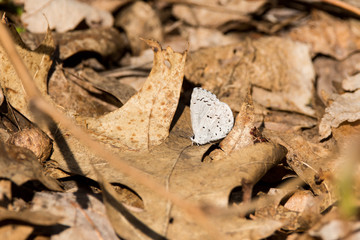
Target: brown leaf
x=177, y=164
x=144, y=121
x=345, y=107
x=329, y=35
x=55, y=16
x=12, y=231
x=38, y=63
x=121, y=91
x=280, y=71
x=20, y=165
x=107, y=42
x=124, y=222
x=240, y=136
x=83, y=213
x=331, y=73
x=32, y=217
x=139, y=20
x=213, y=13
x=309, y=161
x=33, y=139
x=64, y=87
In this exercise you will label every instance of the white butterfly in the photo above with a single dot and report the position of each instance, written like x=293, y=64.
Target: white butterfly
x=211, y=119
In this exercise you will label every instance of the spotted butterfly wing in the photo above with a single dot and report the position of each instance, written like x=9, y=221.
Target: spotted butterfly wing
x=211, y=119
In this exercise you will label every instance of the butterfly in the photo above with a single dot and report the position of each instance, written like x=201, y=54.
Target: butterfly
x=211, y=119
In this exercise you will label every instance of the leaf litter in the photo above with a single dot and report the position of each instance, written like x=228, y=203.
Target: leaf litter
x=294, y=95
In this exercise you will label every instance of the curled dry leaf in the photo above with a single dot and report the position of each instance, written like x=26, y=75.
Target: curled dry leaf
x=144, y=121
x=33, y=139
x=38, y=63
x=329, y=35
x=139, y=20
x=345, y=107
x=62, y=15
x=20, y=165
x=280, y=71
x=240, y=136
x=122, y=92
x=310, y=161
x=107, y=42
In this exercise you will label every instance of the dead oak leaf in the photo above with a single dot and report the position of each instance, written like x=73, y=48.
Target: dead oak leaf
x=329, y=35
x=62, y=15
x=38, y=63
x=280, y=71
x=345, y=107
x=177, y=165
x=144, y=120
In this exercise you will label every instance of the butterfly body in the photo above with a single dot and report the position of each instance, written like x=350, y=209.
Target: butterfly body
x=211, y=119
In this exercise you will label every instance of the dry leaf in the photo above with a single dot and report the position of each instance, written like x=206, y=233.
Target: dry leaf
x=332, y=72
x=351, y=83
x=35, y=140
x=38, y=63
x=177, y=164
x=31, y=216
x=345, y=107
x=144, y=121
x=240, y=136
x=333, y=226
x=83, y=213
x=62, y=15
x=108, y=5
x=20, y=165
x=215, y=13
x=64, y=87
x=18, y=232
x=123, y=221
x=280, y=71
x=310, y=161
x=107, y=42
x=121, y=91
x=329, y=35
x=139, y=20
x=282, y=122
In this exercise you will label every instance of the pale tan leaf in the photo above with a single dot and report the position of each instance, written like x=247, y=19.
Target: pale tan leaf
x=144, y=121
x=38, y=63
x=62, y=15
x=345, y=107
x=329, y=35
x=139, y=20
x=18, y=232
x=215, y=13
x=83, y=223
x=240, y=136
x=279, y=69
